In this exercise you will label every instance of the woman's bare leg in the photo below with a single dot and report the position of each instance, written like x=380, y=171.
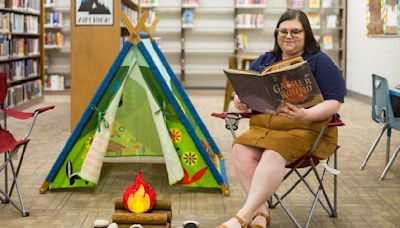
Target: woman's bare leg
x=267, y=176
x=245, y=161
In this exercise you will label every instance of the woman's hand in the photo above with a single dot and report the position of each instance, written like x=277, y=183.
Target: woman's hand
x=239, y=104
x=293, y=112
x=318, y=112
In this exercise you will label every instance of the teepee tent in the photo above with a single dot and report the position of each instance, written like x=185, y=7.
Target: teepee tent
x=140, y=109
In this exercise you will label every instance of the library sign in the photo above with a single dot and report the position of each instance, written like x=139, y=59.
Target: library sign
x=94, y=12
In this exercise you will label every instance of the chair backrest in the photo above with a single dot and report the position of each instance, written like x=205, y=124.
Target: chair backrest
x=382, y=111
x=3, y=88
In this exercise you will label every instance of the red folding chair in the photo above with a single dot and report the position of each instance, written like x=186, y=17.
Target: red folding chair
x=9, y=146
x=308, y=162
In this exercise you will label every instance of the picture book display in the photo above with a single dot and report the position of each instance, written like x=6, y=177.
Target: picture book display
x=285, y=82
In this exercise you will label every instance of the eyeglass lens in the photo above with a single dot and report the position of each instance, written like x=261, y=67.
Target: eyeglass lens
x=295, y=33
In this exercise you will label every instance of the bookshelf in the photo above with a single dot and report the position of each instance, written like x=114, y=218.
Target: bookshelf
x=53, y=44
x=328, y=19
x=21, y=50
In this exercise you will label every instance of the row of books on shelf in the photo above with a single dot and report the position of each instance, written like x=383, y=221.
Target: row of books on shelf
x=53, y=18
x=190, y=3
x=22, y=5
x=149, y=2
x=188, y=17
x=53, y=39
x=49, y=2
x=20, y=94
x=249, y=20
x=132, y=14
x=21, y=69
x=18, y=23
x=249, y=2
x=54, y=82
x=312, y=3
x=315, y=20
x=18, y=47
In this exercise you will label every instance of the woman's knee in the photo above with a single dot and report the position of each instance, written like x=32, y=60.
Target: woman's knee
x=242, y=153
x=273, y=156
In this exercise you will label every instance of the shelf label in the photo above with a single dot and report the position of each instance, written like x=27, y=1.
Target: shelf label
x=94, y=12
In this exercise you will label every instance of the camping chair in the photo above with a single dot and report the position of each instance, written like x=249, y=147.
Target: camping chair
x=308, y=162
x=382, y=112
x=9, y=146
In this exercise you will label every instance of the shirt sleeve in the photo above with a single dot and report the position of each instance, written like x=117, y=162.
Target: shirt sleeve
x=329, y=78
x=256, y=64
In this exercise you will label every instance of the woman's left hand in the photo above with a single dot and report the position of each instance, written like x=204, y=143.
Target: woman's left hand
x=293, y=112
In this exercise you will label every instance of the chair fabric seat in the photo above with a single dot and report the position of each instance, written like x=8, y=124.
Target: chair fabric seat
x=8, y=142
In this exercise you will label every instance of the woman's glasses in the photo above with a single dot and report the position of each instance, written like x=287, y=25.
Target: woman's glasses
x=295, y=33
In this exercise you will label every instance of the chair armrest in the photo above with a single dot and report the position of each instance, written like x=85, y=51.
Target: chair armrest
x=18, y=114
x=43, y=109
x=25, y=115
x=224, y=115
x=335, y=122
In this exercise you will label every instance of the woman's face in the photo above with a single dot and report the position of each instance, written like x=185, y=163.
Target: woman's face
x=291, y=38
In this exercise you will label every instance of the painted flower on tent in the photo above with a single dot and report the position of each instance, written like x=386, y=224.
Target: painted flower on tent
x=89, y=141
x=190, y=158
x=176, y=135
x=84, y=156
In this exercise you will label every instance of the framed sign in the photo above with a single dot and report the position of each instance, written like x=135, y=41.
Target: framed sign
x=383, y=18
x=94, y=12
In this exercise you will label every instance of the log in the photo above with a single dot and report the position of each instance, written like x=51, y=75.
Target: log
x=142, y=218
x=169, y=213
x=168, y=225
x=162, y=204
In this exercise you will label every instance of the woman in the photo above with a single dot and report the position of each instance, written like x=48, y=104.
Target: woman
x=261, y=153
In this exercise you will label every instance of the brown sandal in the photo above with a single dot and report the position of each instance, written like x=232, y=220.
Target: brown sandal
x=262, y=214
x=242, y=223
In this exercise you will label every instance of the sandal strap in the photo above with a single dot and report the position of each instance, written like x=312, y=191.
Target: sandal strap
x=262, y=214
x=242, y=223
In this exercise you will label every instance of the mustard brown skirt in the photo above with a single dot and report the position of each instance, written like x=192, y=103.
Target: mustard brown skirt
x=290, y=138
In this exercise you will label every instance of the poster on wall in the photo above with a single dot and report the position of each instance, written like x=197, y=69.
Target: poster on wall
x=383, y=18
x=94, y=12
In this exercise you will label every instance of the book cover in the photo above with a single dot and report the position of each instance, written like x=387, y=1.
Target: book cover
x=331, y=21
x=326, y=3
x=297, y=3
x=267, y=93
x=327, y=41
x=314, y=19
x=315, y=4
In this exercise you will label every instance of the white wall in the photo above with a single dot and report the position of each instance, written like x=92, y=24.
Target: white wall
x=366, y=56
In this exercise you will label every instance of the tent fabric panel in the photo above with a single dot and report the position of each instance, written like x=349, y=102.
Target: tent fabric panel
x=185, y=98
x=88, y=112
x=180, y=113
x=91, y=167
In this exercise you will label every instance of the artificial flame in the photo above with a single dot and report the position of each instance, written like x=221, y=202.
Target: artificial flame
x=139, y=201
x=139, y=197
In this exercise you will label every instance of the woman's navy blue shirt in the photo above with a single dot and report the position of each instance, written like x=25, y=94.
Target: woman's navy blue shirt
x=326, y=73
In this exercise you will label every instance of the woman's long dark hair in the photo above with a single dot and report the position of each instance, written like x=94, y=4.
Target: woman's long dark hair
x=310, y=44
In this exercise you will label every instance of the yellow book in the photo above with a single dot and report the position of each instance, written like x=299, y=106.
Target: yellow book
x=315, y=4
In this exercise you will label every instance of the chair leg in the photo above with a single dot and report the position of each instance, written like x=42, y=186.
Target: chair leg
x=389, y=164
x=18, y=167
x=374, y=146
x=22, y=207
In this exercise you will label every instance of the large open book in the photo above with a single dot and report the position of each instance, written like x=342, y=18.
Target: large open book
x=288, y=81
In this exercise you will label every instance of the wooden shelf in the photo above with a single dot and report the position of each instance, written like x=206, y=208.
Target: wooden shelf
x=20, y=11
x=251, y=6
